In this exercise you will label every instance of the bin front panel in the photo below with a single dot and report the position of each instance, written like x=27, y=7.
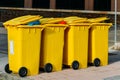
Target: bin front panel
x=99, y=44
x=26, y=49
x=13, y=49
x=68, y=38
x=76, y=45
x=52, y=47
x=30, y=44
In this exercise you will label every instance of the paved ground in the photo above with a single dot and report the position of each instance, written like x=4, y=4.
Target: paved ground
x=91, y=73
x=109, y=72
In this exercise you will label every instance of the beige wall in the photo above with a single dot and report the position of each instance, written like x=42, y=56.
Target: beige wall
x=28, y=3
x=52, y=4
x=89, y=4
x=113, y=5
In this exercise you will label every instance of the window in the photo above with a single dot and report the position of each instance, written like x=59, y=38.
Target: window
x=70, y=4
x=41, y=3
x=12, y=3
x=102, y=5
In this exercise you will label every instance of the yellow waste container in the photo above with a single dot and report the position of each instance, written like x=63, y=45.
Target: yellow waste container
x=76, y=45
x=98, y=44
x=23, y=47
x=52, y=47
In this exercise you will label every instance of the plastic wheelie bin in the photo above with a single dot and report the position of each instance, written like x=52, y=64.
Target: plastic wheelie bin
x=52, y=47
x=98, y=44
x=23, y=46
x=76, y=45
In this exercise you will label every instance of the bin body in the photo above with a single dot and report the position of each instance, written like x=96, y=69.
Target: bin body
x=98, y=43
x=52, y=46
x=76, y=44
x=24, y=48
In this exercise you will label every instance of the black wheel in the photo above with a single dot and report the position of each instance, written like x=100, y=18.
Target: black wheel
x=7, y=69
x=23, y=72
x=48, y=67
x=75, y=65
x=97, y=62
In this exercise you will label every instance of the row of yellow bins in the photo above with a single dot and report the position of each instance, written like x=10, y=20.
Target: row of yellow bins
x=35, y=42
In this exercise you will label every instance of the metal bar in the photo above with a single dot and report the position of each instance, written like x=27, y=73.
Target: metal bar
x=115, y=38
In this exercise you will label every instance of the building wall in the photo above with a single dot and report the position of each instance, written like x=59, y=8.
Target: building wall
x=89, y=4
x=102, y=5
x=12, y=3
x=9, y=13
x=62, y=4
x=113, y=5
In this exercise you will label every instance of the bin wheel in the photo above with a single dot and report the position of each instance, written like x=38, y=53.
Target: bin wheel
x=23, y=72
x=48, y=67
x=7, y=69
x=97, y=62
x=75, y=65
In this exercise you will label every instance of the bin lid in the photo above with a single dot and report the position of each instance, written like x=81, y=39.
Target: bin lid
x=56, y=25
x=22, y=20
x=101, y=24
x=44, y=20
x=80, y=24
x=74, y=19
x=41, y=27
x=51, y=20
x=28, y=26
x=97, y=20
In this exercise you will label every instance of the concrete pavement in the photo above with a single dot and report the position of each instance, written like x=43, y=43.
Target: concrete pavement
x=91, y=73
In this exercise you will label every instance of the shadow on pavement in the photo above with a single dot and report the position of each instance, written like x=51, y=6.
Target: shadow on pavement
x=114, y=57
x=3, y=43
x=113, y=78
